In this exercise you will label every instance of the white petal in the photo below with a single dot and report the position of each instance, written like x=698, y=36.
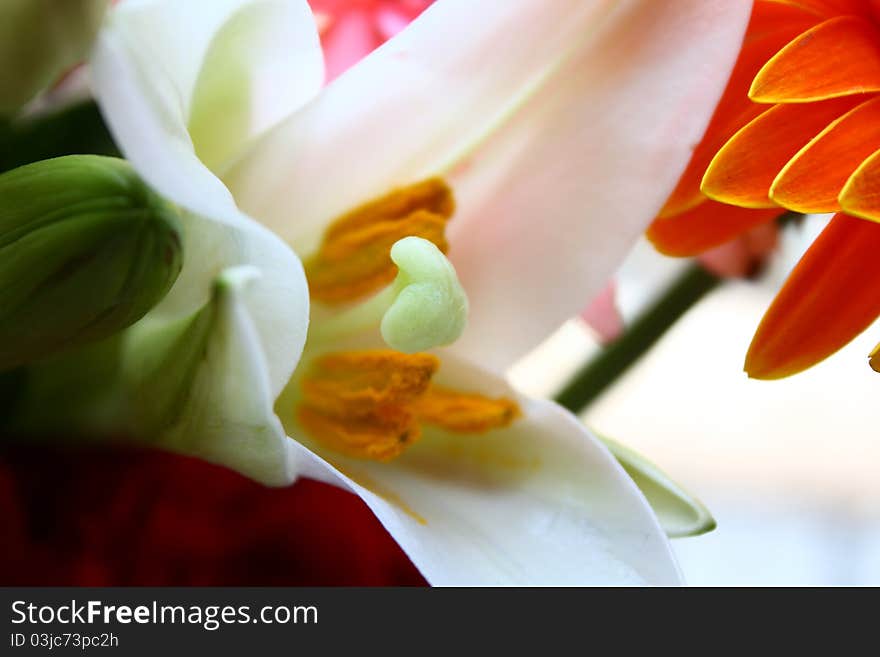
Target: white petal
x=407, y=111
x=154, y=56
x=562, y=125
x=265, y=63
x=540, y=503
x=227, y=417
x=278, y=299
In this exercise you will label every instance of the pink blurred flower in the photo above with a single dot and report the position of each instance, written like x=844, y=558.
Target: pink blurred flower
x=351, y=29
x=603, y=316
x=742, y=255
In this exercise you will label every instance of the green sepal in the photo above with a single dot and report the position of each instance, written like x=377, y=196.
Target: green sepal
x=679, y=512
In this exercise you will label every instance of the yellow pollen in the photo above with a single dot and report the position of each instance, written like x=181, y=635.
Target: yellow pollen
x=359, y=403
x=465, y=413
x=353, y=260
x=874, y=359
x=371, y=404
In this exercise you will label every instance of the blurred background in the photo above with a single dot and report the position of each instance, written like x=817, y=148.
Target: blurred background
x=788, y=468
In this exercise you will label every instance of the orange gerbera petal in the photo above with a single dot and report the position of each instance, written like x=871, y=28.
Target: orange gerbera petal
x=861, y=194
x=771, y=27
x=742, y=172
x=828, y=8
x=832, y=295
x=836, y=58
x=704, y=227
x=813, y=179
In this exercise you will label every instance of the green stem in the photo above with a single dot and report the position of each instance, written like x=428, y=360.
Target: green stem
x=691, y=286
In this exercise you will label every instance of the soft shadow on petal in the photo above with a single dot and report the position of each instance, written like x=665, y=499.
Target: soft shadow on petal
x=262, y=65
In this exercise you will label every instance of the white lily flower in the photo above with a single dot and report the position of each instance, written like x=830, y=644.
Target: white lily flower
x=548, y=131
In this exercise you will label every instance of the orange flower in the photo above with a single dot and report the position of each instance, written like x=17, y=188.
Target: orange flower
x=797, y=128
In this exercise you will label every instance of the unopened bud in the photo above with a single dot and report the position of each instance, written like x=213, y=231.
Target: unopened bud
x=86, y=249
x=39, y=40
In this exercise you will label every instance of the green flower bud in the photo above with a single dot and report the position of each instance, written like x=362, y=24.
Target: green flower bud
x=86, y=249
x=39, y=40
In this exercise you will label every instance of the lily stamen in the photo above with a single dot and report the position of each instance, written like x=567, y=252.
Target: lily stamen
x=353, y=259
x=372, y=404
x=465, y=413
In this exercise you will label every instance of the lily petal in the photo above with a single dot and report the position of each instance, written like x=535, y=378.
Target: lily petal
x=547, y=144
x=542, y=502
x=806, y=322
x=224, y=419
x=239, y=65
x=265, y=63
x=409, y=111
x=278, y=299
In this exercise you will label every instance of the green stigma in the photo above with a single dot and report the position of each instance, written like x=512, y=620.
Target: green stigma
x=430, y=307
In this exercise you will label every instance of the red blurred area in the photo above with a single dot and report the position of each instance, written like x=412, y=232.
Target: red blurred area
x=113, y=517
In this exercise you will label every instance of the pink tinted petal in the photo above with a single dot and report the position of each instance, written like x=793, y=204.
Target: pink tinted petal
x=763, y=239
x=602, y=314
x=561, y=125
x=730, y=260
